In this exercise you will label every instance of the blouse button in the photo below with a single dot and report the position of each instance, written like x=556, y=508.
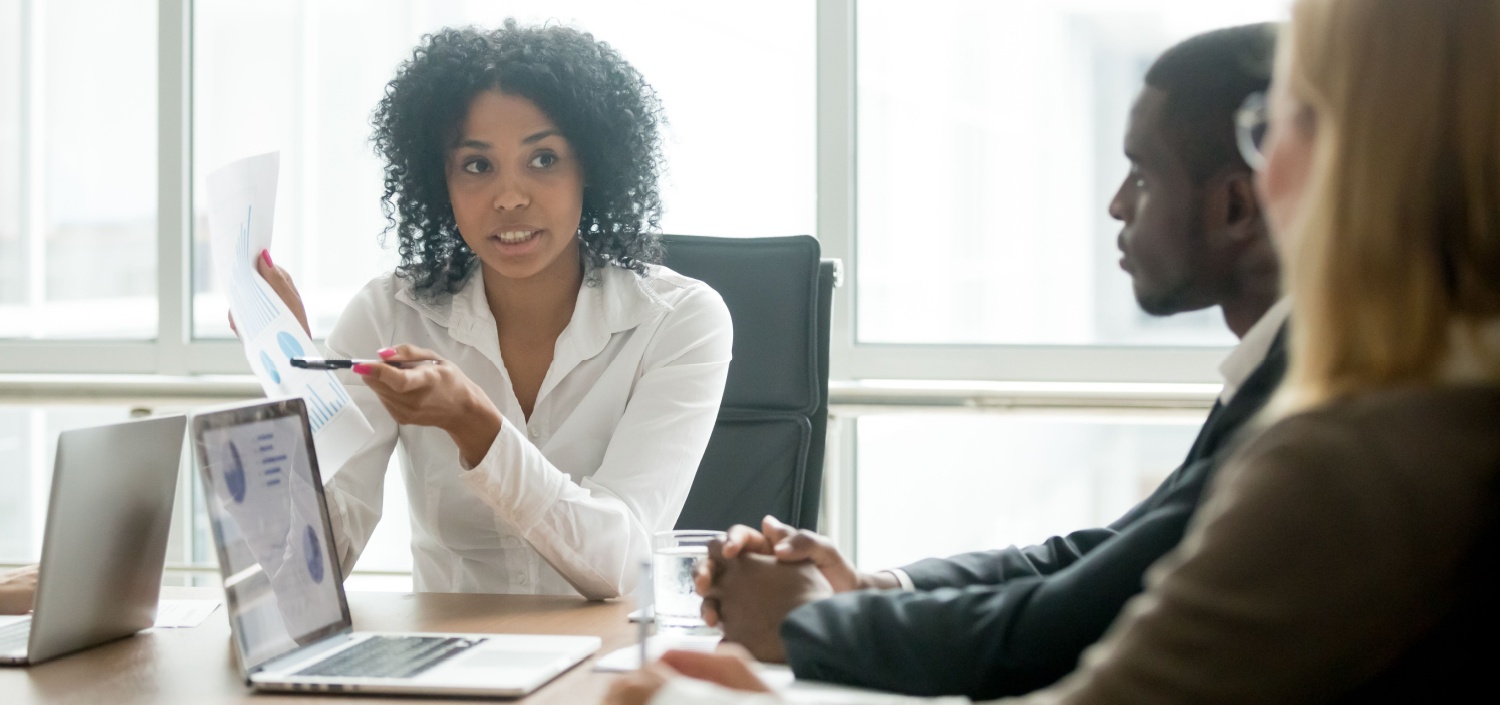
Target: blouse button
x=533, y=433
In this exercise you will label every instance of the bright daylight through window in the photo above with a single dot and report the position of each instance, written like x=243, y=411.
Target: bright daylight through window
x=77, y=197
x=987, y=155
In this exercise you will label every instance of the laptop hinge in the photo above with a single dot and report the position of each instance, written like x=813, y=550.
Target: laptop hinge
x=302, y=653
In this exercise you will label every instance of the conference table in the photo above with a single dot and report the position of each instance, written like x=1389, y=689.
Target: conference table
x=194, y=665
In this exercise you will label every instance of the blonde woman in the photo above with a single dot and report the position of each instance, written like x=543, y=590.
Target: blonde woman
x=1347, y=554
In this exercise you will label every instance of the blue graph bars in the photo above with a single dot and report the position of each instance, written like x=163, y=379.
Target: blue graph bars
x=321, y=411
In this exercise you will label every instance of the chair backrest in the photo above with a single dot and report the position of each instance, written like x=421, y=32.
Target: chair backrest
x=766, y=452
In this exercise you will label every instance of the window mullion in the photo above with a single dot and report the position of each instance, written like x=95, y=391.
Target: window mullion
x=836, y=140
x=174, y=185
x=33, y=144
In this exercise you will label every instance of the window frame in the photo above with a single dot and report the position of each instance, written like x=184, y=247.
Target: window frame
x=174, y=352
x=851, y=359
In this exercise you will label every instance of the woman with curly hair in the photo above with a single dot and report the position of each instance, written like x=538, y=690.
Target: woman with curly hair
x=576, y=381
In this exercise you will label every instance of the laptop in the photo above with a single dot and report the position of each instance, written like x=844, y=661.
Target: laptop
x=105, y=539
x=284, y=588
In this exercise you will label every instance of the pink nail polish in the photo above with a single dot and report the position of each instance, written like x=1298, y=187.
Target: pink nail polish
x=361, y=368
x=386, y=353
x=266, y=255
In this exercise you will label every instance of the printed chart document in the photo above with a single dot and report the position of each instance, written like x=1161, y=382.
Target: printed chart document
x=183, y=614
x=241, y=201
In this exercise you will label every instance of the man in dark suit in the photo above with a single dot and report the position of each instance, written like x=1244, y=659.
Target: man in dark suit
x=1003, y=622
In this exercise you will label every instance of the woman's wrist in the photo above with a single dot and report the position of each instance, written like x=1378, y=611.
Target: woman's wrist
x=475, y=429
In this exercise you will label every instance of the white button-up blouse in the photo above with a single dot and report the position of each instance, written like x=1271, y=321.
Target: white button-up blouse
x=565, y=502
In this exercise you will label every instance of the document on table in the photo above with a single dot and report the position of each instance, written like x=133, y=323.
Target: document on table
x=778, y=677
x=183, y=614
x=241, y=203
x=629, y=658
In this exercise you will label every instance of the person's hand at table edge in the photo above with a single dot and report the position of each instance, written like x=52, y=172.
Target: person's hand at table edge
x=729, y=667
x=18, y=590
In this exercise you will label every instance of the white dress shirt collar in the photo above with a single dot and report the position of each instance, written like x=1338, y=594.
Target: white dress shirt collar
x=619, y=302
x=1252, y=350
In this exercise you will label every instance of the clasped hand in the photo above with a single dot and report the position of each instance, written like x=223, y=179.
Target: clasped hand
x=753, y=579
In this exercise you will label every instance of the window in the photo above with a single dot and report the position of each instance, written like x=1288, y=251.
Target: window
x=942, y=483
x=78, y=251
x=989, y=145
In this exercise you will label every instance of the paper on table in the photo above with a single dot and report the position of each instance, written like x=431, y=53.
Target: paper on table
x=778, y=677
x=629, y=658
x=241, y=203
x=174, y=614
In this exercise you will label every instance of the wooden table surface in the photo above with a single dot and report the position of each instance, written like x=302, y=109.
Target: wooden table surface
x=195, y=666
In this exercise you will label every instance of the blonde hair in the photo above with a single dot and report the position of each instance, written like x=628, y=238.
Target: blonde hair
x=1399, y=238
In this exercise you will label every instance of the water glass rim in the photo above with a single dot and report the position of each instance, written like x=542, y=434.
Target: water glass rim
x=679, y=533
x=685, y=537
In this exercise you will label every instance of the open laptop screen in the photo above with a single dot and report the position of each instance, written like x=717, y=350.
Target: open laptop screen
x=270, y=521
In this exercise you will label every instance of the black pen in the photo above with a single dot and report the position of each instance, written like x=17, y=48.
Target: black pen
x=318, y=363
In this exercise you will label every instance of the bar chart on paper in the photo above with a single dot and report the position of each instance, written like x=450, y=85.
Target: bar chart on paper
x=248, y=295
x=319, y=410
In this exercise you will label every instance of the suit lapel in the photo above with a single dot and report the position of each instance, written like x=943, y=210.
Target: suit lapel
x=1227, y=419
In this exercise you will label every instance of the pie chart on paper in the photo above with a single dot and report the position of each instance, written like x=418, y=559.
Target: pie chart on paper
x=265, y=361
x=289, y=345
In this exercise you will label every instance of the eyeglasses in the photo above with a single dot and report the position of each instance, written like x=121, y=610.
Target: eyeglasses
x=1250, y=123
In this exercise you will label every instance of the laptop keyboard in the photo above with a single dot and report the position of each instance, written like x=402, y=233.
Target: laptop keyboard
x=14, y=637
x=390, y=657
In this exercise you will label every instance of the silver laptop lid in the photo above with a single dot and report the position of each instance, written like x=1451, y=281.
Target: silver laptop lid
x=106, y=537
x=282, y=583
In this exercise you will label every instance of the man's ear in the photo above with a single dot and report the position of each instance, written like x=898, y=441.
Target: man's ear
x=1241, y=214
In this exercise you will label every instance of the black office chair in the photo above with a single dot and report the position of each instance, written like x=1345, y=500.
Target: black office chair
x=766, y=452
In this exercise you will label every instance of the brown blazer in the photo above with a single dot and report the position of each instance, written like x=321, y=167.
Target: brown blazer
x=1346, y=554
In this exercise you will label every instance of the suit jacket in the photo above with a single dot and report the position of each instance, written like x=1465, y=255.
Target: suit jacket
x=1004, y=622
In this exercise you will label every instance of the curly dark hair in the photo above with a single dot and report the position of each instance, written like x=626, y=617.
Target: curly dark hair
x=600, y=102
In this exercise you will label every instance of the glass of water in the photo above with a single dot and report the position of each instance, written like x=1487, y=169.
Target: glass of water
x=678, y=606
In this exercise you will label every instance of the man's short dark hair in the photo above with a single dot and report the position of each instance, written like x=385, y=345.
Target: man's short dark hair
x=1205, y=79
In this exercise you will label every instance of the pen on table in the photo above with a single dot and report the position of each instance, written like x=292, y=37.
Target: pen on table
x=318, y=363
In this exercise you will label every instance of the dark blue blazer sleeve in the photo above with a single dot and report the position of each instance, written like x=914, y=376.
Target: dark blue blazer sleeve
x=987, y=640
x=993, y=567
x=997, y=623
